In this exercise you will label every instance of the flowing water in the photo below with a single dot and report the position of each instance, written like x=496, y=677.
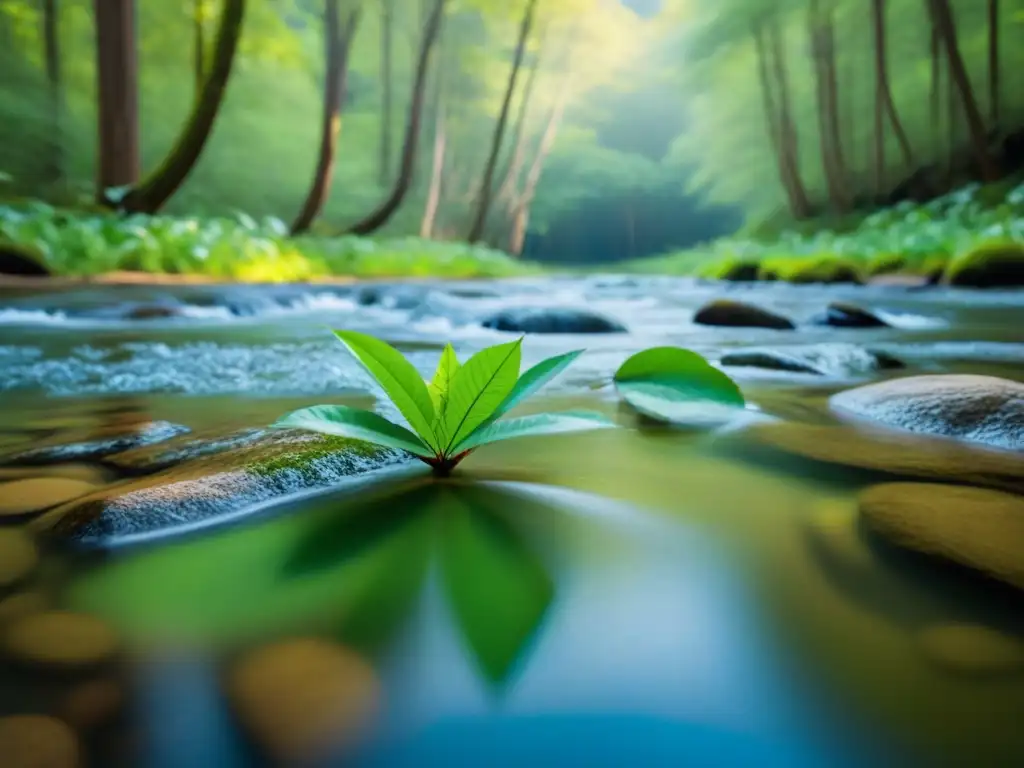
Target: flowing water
x=627, y=597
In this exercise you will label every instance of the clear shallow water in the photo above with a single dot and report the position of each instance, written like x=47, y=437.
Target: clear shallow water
x=607, y=599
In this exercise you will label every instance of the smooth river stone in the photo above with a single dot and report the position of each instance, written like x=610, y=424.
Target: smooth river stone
x=973, y=527
x=60, y=640
x=972, y=649
x=18, y=556
x=37, y=494
x=304, y=699
x=22, y=604
x=37, y=741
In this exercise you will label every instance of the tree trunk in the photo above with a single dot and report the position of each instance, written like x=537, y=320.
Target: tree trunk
x=521, y=210
x=771, y=116
x=437, y=160
x=943, y=16
x=827, y=107
x=935, y=92
x=484, y=201
x=117, y=91
x=515, y=164
x=788, y=140
x=832, y=109
x=993, y=62
x=386, y=76
x=337, y=44
x=151, y=194
x=198, y=44
x=402, y=183
x=878, y=31
x=51, y=58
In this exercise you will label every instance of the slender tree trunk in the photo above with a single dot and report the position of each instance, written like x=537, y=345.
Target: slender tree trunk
x=407, y=167
x=521, y=211
x=198, y=44
x=771, y=115
x=387, y=35
x=878, y=30
x=118, y=112
x=833, y=121
x=151, y=194
x=993, y=63
x=935, y=91
x=514, y=167
x=337, y=44
x=827, y=108
x=788, y=140
x=484, y=202
x=437, y=160
x=952, y=123
x=943, y=16
x=51, y=57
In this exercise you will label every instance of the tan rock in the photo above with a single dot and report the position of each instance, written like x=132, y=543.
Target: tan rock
x=304, y=699
x=973, y=527
x=972, y=649
x=22, y=604
x=60, y=640
x=36, y=741
x=23, y=497
x=18, y=556
x=87, y=473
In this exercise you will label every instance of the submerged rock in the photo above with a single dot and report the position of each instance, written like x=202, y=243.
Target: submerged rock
x=18, y=556
x=274, y=465
x=38, y=741
x=22, y=261
x=152, y=312
x=304, y=700
x=737, y=314
x=60, y=641
x=159, y=456
x=98, y=446
x=982, y=409
x=974, y=527
x=902, y=455
x=821, y=360
x=551, y=321
x=24, y=497
x=842, y=315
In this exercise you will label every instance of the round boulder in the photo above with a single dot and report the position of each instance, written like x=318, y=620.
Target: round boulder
x=302, y=700
x=842, y=315
x=18, y=556
x=37, y=741
x=981, y=409
x=22, y=261
x=551, y=321
x=737, y=314
x=992, y=265
x=973, y=527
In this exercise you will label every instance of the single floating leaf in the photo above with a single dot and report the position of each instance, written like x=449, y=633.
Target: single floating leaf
x=677, y=385
x=399, y=379
x=478, y=388
x=537, y=424
x=355, y=423
x=498, y=589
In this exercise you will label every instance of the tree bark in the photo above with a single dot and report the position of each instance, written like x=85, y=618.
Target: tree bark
x=117, y=91
x=51, y=58
x=337, y=45
x=514, y=167
x=151, y=194
x=387, y=81
x=819, y=26
x=407, y=167
x=935, y=91
x=943, y=17
x=433, y=201
x=788, y=140
x=993, y=63
x=198, y=45
x=484, y=199
x=521, y=210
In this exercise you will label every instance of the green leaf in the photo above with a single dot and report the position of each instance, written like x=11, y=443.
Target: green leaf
x=357, y=424
x=677, y=385
x=479, y=387
x=535, y=378
x=538, y=424
x=498, y=589
x=400, y=380
x=440, y=385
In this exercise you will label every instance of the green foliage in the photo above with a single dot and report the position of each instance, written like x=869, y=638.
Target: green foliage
x=678, y=386
x=455, y=412
x=235, y=248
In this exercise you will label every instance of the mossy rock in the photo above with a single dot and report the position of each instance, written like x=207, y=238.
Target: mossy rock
x=829, y=271
x=991, y=265
x=22, y=260
x=887, y=264
x=733, y=270
x=208, y=487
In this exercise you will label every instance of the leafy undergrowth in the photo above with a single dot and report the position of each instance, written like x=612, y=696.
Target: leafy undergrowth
x=934, y=240
x=241, y=249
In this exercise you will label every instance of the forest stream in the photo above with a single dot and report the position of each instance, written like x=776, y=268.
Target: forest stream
x=637, y=596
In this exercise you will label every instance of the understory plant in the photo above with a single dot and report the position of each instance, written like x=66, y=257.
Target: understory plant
x=454, y=413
